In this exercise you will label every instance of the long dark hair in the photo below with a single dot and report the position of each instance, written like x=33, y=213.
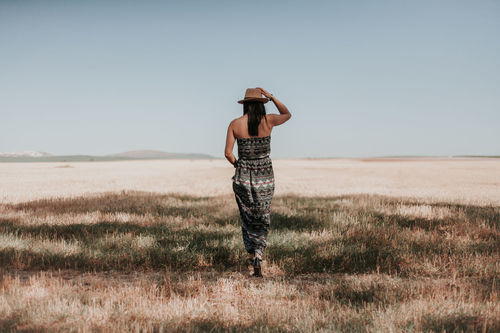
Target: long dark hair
x=255, y=111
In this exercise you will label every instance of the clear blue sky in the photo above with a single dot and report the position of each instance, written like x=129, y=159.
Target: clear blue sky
x=361, y=78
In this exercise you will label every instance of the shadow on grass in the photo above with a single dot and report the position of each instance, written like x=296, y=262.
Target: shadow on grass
x=85, y=232
x=489, y=214
x=346, y=293
x=440, y=225
x=132, y=202
x=12, y=324
x=281, y=222
x=411, y=222
x=111, y=245
x=374, y=242
x=362, y=251
x=458, y=323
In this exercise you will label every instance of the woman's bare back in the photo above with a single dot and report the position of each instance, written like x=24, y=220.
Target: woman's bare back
x=240, y=127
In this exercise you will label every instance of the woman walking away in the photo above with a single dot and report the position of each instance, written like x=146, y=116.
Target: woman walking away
x=253, y=180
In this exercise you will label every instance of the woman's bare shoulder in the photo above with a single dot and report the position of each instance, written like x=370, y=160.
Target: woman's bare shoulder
x=238, y=121
x=234, y=121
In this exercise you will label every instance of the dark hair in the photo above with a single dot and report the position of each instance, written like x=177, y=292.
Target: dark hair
x=255, y=111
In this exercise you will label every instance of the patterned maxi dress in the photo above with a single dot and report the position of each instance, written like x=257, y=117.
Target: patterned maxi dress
x=253, y=186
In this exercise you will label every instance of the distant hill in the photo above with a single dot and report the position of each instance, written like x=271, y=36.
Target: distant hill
x=26, y=153
x=33, y=156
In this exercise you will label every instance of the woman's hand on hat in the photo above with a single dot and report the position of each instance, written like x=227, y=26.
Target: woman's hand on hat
x=264, y=92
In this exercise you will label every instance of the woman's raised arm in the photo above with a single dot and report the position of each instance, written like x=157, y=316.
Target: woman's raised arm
x=284, y=115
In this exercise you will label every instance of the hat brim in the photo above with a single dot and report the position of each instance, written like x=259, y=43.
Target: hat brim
x=254, y=99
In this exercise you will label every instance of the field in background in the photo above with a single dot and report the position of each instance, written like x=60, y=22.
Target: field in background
x=419, y=252
x=458, y=180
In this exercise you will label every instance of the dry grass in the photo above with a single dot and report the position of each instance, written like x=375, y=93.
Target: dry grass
x=129, y=260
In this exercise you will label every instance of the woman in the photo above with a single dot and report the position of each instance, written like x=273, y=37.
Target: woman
x=253, y=180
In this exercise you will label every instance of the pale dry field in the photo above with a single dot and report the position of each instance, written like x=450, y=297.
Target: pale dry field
x=465, y=180
x=155, y=246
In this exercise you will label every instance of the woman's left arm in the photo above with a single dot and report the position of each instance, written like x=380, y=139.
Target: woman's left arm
x=228, y=152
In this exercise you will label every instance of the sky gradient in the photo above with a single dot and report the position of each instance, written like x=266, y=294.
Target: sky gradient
x=361, y=78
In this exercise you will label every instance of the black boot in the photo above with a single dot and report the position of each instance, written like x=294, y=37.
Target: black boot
x=257, y=268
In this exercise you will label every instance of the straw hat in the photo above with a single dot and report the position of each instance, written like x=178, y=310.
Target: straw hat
x=253, y=95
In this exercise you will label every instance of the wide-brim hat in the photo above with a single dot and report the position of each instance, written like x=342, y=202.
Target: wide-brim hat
x=253, y=95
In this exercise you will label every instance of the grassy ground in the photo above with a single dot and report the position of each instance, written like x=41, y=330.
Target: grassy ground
x=119, y=261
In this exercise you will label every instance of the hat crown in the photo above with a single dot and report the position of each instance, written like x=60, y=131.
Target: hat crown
x=253, y=94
